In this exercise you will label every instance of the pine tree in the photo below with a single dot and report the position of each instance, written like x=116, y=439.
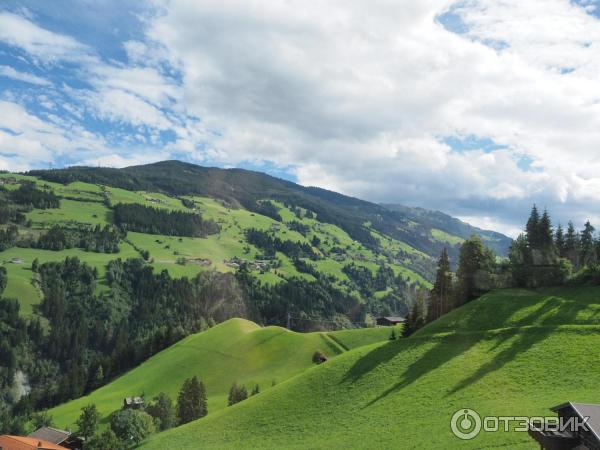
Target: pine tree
x=255, y=390
x=572, y=245
x=439, y=302
x=545, y=236
x=191, y=402
x=236, y=394
x=559, y=241
x=532, y=228
x=588, y=253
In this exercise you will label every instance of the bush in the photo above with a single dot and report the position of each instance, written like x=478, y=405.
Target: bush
x=319, y=357
x=132, y=425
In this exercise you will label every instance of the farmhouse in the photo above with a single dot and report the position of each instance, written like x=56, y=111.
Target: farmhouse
x=133, y=403
x=578, y=428
x=58, y=437
x=390, y=321
x=26, y=443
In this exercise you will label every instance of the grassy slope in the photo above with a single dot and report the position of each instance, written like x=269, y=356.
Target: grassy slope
x=82, y=203
x=508, y=353
x=236, y=350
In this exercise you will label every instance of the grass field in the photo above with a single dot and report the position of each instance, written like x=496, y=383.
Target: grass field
x=236, y=350
x=511, y=353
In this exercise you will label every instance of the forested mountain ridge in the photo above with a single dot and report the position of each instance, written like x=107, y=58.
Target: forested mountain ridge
x=424, y=230
x=451, y=230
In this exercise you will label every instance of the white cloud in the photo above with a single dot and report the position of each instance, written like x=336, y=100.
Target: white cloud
x=9, y=72
x=356, y=96
x=42, y=44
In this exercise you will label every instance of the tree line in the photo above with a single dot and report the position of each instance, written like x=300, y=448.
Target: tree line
x=269, y=245
x=151, y=220
x=541, y=256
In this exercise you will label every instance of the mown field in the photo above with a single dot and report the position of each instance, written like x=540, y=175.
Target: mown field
x=513, y=352
x=235, y=351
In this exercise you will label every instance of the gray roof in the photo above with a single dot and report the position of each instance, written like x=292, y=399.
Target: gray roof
x=585, y=410
x=394, y=318
x=134, y=400
x=52, y=435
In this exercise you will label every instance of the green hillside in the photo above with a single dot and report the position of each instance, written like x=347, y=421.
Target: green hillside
x=83, y=204
x=512, y=352
x=237, y=350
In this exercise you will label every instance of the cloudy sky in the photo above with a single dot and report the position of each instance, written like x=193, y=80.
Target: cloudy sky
x=477, y=108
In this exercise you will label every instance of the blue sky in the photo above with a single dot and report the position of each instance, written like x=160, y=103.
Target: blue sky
x=478, y=108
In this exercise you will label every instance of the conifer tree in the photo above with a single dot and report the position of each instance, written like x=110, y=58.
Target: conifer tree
x=559, y=242
x=439, y=302
x=236, y=394
x=191, y=402
x=532, y=228
x=545, y=236
x=587, y=250
x=572, y=245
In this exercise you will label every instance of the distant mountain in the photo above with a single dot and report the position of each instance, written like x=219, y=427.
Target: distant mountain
x=425, y=231
x=437, y=220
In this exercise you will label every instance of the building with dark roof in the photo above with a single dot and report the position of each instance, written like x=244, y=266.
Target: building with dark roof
x=579, y=428
x=59, y=437
x=390, y=321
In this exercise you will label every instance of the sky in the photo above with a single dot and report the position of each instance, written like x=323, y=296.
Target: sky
x=478, y=108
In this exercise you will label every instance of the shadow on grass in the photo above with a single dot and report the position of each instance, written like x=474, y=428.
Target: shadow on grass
x=543, y=320
x=553, y=307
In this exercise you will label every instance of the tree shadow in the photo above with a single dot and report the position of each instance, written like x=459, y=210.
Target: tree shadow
x=541, y=321
x=559, y=307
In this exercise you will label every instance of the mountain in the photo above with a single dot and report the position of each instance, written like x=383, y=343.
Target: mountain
x=451, y=230
x=509, y=353
x=428, y=232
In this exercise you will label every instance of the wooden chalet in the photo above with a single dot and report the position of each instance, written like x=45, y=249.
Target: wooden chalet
x=585, y=437
x=65, y=439
x=390, y=321
x=133, y=403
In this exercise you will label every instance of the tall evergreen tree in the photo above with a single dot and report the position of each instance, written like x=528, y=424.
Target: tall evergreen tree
x=191, y=402
x=441, y=294
x=533, y=227
x=559, y=241
x=545, y=235
x=572, y=245
x=587, y=250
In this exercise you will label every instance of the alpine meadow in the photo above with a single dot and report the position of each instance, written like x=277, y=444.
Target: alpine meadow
x=291, y=225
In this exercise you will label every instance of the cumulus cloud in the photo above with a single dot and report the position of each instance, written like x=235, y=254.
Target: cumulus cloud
x=359, y=97
x=374, y=99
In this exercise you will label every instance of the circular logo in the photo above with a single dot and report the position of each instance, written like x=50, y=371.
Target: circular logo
x=465, y=424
